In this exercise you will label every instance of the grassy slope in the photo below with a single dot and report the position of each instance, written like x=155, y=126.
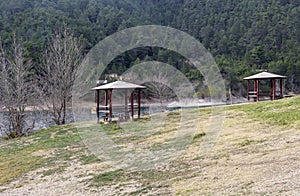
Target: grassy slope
x=22, y=155
x=257, y=152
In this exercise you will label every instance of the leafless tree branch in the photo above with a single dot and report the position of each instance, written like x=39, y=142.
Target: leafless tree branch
x=16, y=86
x=62, y=59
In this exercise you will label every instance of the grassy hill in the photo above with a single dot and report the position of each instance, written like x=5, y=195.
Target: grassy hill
x=257, y=152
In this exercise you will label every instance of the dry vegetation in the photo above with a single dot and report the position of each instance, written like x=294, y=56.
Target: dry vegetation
x=257, y=153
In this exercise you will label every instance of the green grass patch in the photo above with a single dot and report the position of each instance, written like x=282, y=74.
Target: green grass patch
x=17, y=156
x=88, y=159
x=174, y=114
x=15, y=164
x=246, y=142
x=54, y=171
x=108, y=178
x=112, y=129
x=198, y=136
x=284, y=112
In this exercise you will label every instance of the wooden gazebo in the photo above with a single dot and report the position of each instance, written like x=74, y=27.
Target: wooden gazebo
x=107, y=107
x=274, y=79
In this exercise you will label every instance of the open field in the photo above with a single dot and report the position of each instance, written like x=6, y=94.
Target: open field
x=257, y=153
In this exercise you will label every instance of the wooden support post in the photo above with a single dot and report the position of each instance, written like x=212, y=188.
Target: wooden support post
x=254, y=90
x=98, y=105
x=274, y=89
x=257, y=90
x=131, y=105
x=248, y=90
x=271, y=89
x=126, y=104
x=139, y=103
x=106, y=105
x=281, y=88
x=110, y=105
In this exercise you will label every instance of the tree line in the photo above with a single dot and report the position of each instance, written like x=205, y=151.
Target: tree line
x=244, y=36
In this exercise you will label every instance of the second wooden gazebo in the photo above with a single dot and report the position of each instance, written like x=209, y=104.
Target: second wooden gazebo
x=107, y=108
x=274, y=78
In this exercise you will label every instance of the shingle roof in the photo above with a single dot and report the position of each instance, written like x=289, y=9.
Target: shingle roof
x=119, y=85
x=265, y=75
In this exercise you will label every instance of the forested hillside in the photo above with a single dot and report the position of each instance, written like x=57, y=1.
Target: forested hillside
x=244, y=36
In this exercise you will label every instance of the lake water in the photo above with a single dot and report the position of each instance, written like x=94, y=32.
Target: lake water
x=42, y=119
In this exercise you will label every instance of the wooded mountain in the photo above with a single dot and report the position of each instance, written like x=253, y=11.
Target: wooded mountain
x=244, y=36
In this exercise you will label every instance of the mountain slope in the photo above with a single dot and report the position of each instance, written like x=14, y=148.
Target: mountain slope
x=244, y=35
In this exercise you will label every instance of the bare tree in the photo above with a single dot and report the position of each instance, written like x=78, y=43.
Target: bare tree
x=162, y=81
x=16, y=87
x=62, y=60
x=158, y=89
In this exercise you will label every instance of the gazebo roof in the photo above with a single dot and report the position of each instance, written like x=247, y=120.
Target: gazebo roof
x=119, y=85
x=265, y=75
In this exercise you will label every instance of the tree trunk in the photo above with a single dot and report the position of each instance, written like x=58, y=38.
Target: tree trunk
x=64, y=112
